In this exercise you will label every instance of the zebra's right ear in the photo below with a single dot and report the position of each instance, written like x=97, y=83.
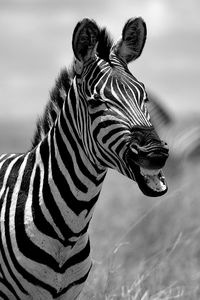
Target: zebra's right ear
x=133, y=40
x=85, y=39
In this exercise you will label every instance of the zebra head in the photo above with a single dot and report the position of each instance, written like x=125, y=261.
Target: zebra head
x=112, y=114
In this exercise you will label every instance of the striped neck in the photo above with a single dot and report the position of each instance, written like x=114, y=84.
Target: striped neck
x=74, y=182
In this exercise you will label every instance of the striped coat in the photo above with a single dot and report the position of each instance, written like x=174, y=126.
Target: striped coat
x=96, y=119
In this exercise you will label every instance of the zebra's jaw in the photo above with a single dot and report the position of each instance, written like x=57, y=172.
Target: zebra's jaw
x=154, y=179
x=147, y=173
x=150, y=181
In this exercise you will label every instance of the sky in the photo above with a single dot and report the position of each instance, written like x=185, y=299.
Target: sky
x=35, y=43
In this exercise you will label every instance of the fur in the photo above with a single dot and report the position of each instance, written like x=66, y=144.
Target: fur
x=61, y=88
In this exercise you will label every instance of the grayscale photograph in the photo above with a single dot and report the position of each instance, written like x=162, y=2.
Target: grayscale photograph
x=99, y=150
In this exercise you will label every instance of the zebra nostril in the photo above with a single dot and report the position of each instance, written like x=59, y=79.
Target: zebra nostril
x=164, y=144
x=165, y=148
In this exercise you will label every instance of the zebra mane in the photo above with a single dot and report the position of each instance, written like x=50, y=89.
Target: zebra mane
x=53, y=107
x=104, y=45
x=61, y=88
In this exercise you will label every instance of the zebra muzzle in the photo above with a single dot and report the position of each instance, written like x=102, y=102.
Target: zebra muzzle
x=150, y=156
x=146, y=163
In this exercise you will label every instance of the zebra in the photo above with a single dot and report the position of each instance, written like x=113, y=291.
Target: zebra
x=182, y=134
x=96, y=119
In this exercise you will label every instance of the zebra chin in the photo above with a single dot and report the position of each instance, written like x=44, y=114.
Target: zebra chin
x=151, y=182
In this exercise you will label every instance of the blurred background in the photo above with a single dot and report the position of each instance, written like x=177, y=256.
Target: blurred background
x=35, y=43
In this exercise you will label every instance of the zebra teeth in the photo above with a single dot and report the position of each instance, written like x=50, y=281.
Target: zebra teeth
x=147, y=172
x=154, y=179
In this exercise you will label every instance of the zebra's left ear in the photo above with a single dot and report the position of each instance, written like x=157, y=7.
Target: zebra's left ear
x=84, y=40
x=133, y=40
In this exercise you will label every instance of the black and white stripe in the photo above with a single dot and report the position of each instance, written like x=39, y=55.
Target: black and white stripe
x=49, y=193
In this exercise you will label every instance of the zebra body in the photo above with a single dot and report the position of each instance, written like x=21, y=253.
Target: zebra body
x=48, y=194
x=55, y=232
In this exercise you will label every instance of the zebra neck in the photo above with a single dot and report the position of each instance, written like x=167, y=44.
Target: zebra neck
x=69, y=162
x=71, y=183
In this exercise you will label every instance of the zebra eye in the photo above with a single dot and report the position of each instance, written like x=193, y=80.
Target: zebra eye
x=97, y=102
x=96, y=97
x=93, y=103
x=146, y=100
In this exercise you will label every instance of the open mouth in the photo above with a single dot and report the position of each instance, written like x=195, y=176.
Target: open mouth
x=146, y=168
x=151, y=182
x=154, y=179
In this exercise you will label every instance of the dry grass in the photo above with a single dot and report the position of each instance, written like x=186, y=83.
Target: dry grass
x=143, y=248
x=153, y=253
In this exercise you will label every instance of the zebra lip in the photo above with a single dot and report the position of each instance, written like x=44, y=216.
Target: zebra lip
x=152, y=182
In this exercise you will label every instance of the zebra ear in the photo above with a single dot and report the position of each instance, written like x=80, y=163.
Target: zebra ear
x=133, y=40
x=84, y=40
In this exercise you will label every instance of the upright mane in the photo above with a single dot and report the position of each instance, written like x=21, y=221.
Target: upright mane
x=53, y=107
x=60, y=90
